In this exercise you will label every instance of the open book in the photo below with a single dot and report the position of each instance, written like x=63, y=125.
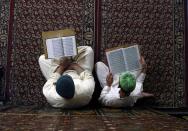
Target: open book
x=123, y=59
x=61, y=47
x=60, y=43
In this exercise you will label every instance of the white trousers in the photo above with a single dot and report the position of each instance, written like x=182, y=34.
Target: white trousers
x=85, y=58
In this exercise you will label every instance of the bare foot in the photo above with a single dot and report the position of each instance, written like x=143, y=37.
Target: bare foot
x=145, y=94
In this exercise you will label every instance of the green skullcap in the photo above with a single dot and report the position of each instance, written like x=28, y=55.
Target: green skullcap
x=127, y=82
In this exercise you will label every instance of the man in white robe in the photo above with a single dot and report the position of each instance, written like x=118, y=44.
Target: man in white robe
x=112, y=95
x=70, y=84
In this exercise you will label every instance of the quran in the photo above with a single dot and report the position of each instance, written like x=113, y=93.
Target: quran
x=61, y=43
x=123, y=59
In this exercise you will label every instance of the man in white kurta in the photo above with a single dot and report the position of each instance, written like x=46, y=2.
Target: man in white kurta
x=110, y=95
x=83, y=79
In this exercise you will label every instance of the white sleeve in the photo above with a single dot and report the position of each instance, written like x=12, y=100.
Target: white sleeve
x=49, y=90
x=85, y=87
x=121, y=102
x=136, y=93
x=141, y=77
x=109, y=100
x=87, y=83
x=104, y=93
x=86, y=75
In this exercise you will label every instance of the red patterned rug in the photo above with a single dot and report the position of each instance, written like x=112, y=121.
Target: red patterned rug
x=102, y=119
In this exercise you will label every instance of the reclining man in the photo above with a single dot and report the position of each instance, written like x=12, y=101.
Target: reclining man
x=121, y=90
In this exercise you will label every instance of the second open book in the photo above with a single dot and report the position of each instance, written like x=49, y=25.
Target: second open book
x=123, y=59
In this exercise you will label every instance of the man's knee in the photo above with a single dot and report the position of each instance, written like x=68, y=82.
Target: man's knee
x=89, y=50
x=41, y=58
x=101, y=68
x=99, y=65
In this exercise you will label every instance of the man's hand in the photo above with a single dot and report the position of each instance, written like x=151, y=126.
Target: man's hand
x=72, y=66
x=65, y=62
x=76, y=67
x=144, y=65
x=63, y=65
x=109, y=79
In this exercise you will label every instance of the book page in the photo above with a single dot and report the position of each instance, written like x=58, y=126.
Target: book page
x=55, y=34
x=69, y=45
x=132, y=58
x=116, y=61
x=54, y=48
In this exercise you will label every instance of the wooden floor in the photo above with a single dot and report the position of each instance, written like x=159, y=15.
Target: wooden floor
x=31, y=118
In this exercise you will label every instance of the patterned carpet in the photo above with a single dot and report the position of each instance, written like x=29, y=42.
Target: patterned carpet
x=31, y=118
